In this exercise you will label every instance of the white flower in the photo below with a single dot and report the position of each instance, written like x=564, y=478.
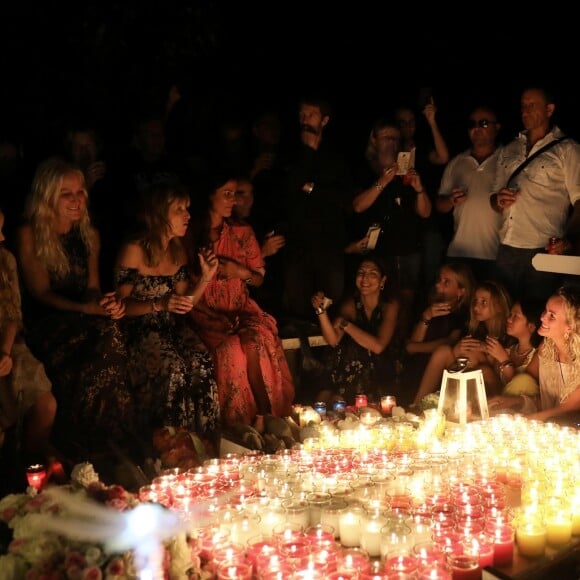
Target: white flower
x=180, y=557
x=42, y=547
x=83, y=474
x=12, y=567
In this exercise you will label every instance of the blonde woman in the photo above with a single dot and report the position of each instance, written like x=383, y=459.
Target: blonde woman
x=490, y=309
x=71, y=326
x=556, y=363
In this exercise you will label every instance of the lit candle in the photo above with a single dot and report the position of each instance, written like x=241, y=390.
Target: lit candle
x=349, y=526
x=531, y=538
x=503, y=545
x=36, y=476
x=558, y=527
x=370, y=537
x=465, y=567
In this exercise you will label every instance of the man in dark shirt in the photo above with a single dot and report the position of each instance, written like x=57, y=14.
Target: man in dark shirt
x=317, y=188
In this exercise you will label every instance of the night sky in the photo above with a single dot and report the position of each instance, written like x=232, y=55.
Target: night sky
x=366, y=57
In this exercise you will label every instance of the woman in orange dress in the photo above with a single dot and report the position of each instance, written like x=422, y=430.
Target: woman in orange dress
x=252, y=373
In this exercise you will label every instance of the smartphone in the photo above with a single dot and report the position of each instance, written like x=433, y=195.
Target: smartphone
x=373, y=235
x=403, y=162
x=425, y=96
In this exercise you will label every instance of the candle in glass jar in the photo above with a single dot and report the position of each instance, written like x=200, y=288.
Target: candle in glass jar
x=465, y=567
x=36, y=476
x=349, y=526
x=558, y=527
x=387, y=403
x=360, y=401
x=531, y=539
x=503, y=545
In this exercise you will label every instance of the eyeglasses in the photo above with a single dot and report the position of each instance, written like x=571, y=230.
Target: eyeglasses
x=483, y=123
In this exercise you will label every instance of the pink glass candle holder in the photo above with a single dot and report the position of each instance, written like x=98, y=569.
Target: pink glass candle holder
x=481, y=547
x=503, y=545
x=465, y=567
x=237, y=571
x=36, y=476
x=352, y=560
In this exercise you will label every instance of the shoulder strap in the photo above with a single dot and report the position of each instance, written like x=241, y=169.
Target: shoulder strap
x=527, y=161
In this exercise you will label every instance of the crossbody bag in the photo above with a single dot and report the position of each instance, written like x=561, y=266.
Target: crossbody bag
x=527, y=161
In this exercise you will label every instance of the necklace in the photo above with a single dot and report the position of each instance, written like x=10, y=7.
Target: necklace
x=524, y=354
x=561, y=372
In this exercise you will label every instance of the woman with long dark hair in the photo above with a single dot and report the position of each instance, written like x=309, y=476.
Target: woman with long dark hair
x=251, y=369
x=362, y=335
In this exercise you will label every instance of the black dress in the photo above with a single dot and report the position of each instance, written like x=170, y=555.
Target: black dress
x=85, y=358
x=354, y=369
x=170, y=369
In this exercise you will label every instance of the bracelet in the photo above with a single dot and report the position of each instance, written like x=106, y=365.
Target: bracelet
x=379, y=187
x=505, y=363
x=420, y=192
x=320, y=310
x=426, y=321
x=343, y=324
x=155, y=305
x=248, y=280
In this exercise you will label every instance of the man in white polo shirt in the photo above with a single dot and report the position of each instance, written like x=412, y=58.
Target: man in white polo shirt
x=541, y=202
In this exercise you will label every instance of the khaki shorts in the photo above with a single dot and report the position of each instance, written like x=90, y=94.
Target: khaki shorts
x=28, y=377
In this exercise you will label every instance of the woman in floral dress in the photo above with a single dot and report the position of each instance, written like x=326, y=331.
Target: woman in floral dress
x=169, y=366
x=251, y=369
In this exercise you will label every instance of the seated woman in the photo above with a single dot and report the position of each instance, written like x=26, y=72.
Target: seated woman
x=71, y=326
x=442, y=321
x=511, y=362
x=361, y=335
x=170, y=369
x=555, y=365
x=252, y=372
x=488, y=318
x=21, y=374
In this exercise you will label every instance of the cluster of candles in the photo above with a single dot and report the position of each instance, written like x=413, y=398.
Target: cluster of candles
x=438, y=507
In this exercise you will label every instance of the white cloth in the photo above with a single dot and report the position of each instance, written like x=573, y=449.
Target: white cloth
x=547, y=187
x=476, y=225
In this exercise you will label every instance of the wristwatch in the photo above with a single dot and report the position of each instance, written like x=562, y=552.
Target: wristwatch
x=343, y=324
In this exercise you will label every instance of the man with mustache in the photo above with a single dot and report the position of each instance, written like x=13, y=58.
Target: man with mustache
x=316, y=190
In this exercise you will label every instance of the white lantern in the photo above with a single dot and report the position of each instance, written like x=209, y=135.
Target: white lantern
x=462, y=398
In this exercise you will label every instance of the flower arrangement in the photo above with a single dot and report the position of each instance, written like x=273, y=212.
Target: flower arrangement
x=431, y=401
x=35, y=554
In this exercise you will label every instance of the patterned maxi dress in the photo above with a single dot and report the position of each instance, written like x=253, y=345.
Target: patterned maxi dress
x=257, y=330
x=170, y=368
x=84, y=357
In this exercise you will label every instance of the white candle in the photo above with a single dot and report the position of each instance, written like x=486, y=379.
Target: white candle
x=350, y=526
x=370, y=537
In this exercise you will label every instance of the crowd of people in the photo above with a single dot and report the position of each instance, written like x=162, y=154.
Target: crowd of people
x=156, y=287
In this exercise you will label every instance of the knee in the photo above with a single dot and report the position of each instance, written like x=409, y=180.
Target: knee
x=46, y=406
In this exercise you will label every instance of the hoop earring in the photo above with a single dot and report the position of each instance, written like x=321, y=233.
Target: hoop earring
x=382, y=286
x=566, y=336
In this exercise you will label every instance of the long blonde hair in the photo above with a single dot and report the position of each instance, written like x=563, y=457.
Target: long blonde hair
x=499, y=306
x=570, y=296
x=41, y=214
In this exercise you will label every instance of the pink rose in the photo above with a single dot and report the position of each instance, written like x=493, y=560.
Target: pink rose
x=118, y=504
x=92, y=573
x=116, y=567
x=8, y=514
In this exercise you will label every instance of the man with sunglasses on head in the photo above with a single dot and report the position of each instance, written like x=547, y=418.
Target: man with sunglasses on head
x=464, y=190
x=540, y=203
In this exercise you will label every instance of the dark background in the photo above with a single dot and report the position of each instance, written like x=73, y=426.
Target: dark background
x=108, y=58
